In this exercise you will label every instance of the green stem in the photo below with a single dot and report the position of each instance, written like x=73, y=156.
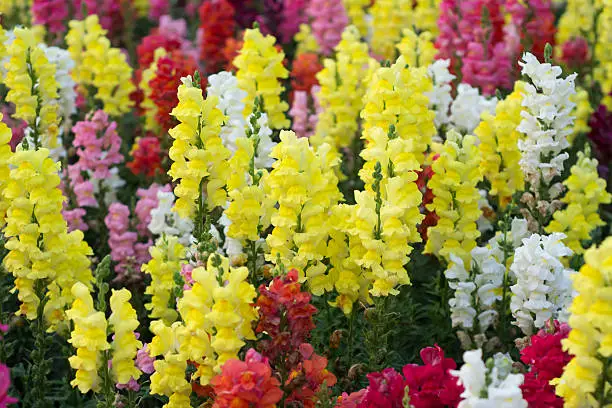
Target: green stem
x=40, y=364
x=351, y=338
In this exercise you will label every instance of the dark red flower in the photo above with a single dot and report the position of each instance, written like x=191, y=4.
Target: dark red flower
x=575, y=52
x=148, y=45
x=217, y=25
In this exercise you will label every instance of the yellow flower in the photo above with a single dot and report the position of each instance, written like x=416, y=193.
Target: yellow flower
x=40, y=249
x=150, y=109
x=389, y=17
x=88, y=338
x=232, y=313
x=198, y=155
x=343, y=83
x=124, y=321
x=499, y=153
x=304, y=185
x=260, y=66
x=456, y=174
x=602, y=72
x=99, y=65
x=417, y=50
x=586, y=192
x=590, y=338
x=169, y=380
x=582, y=113
x=141, y=7
x=164, y=264
x=426, y=15
x=356, y=10
x=305, y=40
x=30, y=78
x=5, y=155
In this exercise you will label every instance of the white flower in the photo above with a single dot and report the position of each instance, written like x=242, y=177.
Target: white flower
x=547, y=120
x=440, y=96
x=111, y=185
x=165, y=221
x=265, y=143
x=224, y=85
x=490, y=385
x=543, y=288
x=467, y=108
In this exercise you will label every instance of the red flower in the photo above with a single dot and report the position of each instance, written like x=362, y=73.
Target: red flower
x=170, y=69
x=385, y=389
x=230, y=51
x=247, y=383
x=308, y=378
x=303, y=72
x=148, y=45
x=546, y=359
x=217, y=25
x=146, y=157
x=285, y=314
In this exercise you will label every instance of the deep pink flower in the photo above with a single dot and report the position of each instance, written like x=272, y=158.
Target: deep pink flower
x=293, y=15
x=51, y=13
x=5, y=383
x=575, y=52
x=132, y=385
x=144, y=361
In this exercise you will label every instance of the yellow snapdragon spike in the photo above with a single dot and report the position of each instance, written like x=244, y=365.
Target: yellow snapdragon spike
x=40, y=248
x=343, y=83
x=99, y=65
x=304, y=184
x=150, y=110
x=88, y=338
x=426, y=15
x=602, y=73
x=165, y=261
x=260, y=68
x=5, y=155
x=456, y=174
x=586, y=191
x=305, y=40
x=498, y=148
x=590, y=340
x=30, y=78
x=197, y=151
x=356, y=11
x=417, y=49
x=125, y=345
x=582, y=113
x=389, y=17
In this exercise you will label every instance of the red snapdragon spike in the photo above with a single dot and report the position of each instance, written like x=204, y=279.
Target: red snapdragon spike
x=146, y=157
x=148, y=45
x=303, y=72
x=217, y=26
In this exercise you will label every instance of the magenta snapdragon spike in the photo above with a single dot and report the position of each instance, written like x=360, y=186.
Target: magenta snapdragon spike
x=158, y=8
x=53, y=14
x=328, y=20
x=293, y=15
x=5, y=383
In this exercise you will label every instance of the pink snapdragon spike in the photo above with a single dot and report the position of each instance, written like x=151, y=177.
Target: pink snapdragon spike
x=121, y=241
x=74, y=219
x=5, y=384
x=97, y=144
x=53, y=14
x=328, y=20
x=158, y=8
x=147, y=202
x=132, y=385
x=487, y=68
x=144, y=361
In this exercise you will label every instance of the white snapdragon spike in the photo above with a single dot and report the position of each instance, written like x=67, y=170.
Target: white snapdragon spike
x=265, y=143
x=547, y=120
x=543, y=288
x=224, y=85
x=440, y=96
x=476, y=291
x=164, y=221
x=63, y=66
x=467, y=108
x=491, y=384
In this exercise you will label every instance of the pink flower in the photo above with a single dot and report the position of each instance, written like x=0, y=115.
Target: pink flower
x=74, y=218
x=50, y=13
x=5, y=383
x=186, y=270
x=147, y=201
x=144, y=361
x=141, y=252
x=488, y=68
x=158, y=8
x=328, y=20
x=117, y=219
x=99, y=144
x=132, y=385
